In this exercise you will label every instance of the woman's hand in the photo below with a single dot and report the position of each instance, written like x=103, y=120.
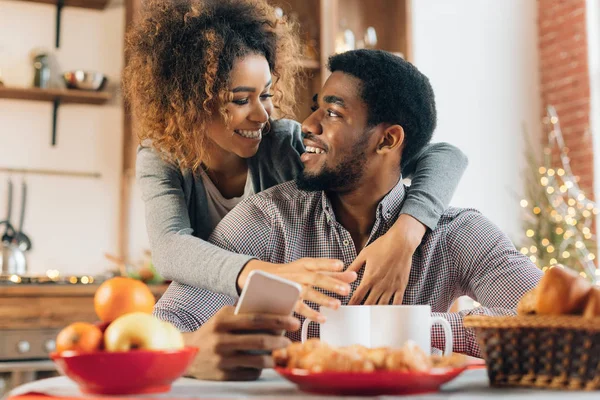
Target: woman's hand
x=388, y=262
x=311, y=273
x=226, y=339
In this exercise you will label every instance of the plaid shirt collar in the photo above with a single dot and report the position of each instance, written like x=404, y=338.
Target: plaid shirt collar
x=388, y=208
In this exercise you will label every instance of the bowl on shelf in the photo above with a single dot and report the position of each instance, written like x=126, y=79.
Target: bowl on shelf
x=84, y=80
x=124, y=373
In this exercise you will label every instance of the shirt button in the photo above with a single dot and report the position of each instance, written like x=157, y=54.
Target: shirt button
x=346, y=242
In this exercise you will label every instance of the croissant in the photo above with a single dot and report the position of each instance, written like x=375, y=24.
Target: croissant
x=296, y=352
x=528, y=303
x=562, y=291
x=592, y=307
x=316, y=356
x=408, y=358
x=377, y=356
x=336, y=359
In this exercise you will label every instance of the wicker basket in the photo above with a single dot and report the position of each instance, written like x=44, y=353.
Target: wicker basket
x=558, y=352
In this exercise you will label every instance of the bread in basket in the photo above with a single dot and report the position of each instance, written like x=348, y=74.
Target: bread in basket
x=553, y=342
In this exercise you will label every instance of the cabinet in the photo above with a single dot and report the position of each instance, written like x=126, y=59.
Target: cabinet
x=322, y=20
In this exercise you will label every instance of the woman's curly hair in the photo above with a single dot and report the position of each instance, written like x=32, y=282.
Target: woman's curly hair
x=179, y=57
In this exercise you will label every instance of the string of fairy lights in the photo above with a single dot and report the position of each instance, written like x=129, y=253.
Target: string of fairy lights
x=570, y=212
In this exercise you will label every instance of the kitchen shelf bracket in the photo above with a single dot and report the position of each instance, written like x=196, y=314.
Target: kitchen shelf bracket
x=59, y=6
x=56, y=104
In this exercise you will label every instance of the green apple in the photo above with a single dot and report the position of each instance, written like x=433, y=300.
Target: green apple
x=141, y=331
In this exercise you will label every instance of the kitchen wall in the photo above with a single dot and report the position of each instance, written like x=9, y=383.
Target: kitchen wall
x=482, y=59
x=72, y=221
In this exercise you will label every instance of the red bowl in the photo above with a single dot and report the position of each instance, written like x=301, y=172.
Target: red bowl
x=130, y=372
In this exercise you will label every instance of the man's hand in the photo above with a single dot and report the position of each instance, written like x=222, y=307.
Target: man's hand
x=388, y=262
x=311, y=273
x=224, y=339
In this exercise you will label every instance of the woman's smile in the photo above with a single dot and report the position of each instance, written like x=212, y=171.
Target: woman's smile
x=249, y=134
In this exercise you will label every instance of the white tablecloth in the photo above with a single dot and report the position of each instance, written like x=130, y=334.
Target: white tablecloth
x=471, y=384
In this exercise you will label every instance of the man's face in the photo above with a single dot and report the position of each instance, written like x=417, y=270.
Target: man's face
x=336, y=137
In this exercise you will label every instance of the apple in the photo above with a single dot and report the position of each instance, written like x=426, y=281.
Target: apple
x=142, y=331
x=102, y=325
x=176, y=338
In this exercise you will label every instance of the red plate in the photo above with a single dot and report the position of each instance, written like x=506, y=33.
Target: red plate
x=370, y=383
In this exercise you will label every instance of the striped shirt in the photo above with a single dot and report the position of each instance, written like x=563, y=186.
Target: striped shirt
x=466, y=254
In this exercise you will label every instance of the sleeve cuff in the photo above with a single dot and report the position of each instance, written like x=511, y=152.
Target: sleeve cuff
x=437, y=332
x=229, y=276
x=421, y=212
x=182, y=324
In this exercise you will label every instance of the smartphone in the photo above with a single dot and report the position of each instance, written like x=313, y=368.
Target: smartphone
x=266, y=293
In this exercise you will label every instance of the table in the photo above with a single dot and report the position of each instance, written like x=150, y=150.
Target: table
x=471, y=384
x=20, y=372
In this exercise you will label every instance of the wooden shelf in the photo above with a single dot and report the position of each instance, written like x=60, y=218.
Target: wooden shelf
x=65, y=96
x=310, y=64
x=51, y=172
x=92, y=4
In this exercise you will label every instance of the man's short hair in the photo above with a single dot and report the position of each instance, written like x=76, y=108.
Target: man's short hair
x=395, y=92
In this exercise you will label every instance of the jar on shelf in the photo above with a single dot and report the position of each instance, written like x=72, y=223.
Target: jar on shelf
x=41, y=66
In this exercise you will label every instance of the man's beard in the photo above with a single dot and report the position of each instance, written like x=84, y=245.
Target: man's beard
x=346, y=175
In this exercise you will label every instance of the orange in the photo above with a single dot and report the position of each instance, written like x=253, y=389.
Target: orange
x=79, y=336
x=118, y=296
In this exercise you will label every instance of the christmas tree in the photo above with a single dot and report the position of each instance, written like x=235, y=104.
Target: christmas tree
x=558, y=216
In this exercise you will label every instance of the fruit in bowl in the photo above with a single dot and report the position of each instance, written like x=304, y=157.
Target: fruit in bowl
x=141, y=331
x=79, y=336
x=119, y=296
x=129, y=351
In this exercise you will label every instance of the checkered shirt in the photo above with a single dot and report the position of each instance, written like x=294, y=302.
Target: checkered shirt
x=465, y=254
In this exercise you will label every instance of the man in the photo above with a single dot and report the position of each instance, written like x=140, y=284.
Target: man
x=373, y=114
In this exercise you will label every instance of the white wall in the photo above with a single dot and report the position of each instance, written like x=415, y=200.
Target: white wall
x=482, y=59
x=71, y=221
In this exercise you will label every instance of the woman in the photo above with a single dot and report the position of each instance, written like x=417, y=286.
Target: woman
x=205, y=79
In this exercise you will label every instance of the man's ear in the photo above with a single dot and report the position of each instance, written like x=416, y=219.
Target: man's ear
x=392, y=139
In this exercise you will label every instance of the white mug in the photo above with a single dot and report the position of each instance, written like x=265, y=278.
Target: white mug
x=345, y=326
x=380, y=326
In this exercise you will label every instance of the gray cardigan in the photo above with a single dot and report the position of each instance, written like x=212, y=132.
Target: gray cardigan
x=176, y=206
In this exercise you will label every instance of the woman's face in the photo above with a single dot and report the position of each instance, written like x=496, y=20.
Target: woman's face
x=249, y=110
